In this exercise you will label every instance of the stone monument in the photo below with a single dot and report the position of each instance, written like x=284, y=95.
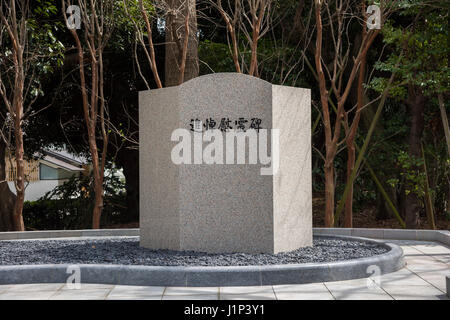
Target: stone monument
x=193, y=198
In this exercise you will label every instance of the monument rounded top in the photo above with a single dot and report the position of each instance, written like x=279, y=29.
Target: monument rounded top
x=224, y=76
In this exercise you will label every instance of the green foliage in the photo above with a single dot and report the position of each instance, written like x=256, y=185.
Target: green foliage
x=425, y=64
x=124, y=23
x=410, y=170
x=426, y=48
x=214, y=57
x=70, y=205
x=43, y=51
x=42, y=28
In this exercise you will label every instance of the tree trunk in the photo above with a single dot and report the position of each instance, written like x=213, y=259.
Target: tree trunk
x=416, y=102
x=91, y=109
x=7, y=198
x=175, y=34
x=98, y=182
x=20, y=184
x=444, y=120
x=351, y=158
x=254, y=49
x=98, y=207
x=350, y=141
x=19, y=152
x=329, y=195
x=129, y=161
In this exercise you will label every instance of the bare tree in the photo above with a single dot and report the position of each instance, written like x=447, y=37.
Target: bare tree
x=97, y=25
x=181, y=63
x=16, y=83
x=352, y=128
x=179, y=17
x=251, y=17
x=337, y=69
x=140, y=26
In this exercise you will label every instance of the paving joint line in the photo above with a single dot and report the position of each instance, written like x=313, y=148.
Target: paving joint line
x=332, y=295
x=107, y=295
x=425, y=280
x=163, y=293
x=57, y=290
x=425, y=254
x=430, y=255
x=381, y=286
x=274, y=293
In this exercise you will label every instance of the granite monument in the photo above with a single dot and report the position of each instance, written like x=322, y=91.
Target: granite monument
x=248, y=192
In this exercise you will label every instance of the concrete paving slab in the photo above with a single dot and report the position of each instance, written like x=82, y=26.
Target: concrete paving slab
x=312, y=291
x=26, y=295
x=136, y=296
x=352, y=294
x=191, y=297
x=432, y=249
x=86, y=294
x=246, y=290
x=138, y=291
x=87, y=286
x=412, y=292
x=188, y=291
x=34, y=287
x=249, y=296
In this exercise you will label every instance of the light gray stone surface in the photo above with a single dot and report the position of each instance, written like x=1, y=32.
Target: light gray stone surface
x=225, y=207
x=442, y=236
x=24, y=235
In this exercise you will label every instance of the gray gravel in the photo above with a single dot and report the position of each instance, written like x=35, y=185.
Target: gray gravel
x=126, y=250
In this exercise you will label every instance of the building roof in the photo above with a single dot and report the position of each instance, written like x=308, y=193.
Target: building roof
x=58, y=163
x=61, y=159
x=64, y=155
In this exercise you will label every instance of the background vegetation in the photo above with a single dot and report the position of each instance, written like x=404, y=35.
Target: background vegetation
x=385, y=90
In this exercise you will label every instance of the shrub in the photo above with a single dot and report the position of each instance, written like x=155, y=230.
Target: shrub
x=70, y=205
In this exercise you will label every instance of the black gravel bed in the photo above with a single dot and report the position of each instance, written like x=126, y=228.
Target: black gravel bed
x=126, y=251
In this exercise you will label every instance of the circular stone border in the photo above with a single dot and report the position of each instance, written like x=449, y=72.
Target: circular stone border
x=212, y=276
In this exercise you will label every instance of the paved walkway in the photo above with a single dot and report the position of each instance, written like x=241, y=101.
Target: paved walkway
x=423, y=278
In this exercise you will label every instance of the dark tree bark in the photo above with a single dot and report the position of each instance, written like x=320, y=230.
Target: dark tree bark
x=175, y=36
x=129, y=161
x=416, y=103
x=7, y=198
x=97, y=29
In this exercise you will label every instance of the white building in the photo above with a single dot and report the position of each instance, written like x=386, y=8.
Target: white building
x=43, y=174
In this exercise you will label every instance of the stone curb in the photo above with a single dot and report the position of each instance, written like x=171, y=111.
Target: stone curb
x=28, y=235
x=212, y=276
x=442, y=236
